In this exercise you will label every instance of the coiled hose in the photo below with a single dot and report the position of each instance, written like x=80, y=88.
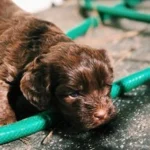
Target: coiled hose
x=46, y=119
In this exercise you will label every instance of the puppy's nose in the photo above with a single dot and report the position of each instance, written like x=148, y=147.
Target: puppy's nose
x=100, y=114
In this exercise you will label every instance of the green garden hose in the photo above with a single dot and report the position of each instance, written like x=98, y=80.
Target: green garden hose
x=126, y=84
x=27, y=126
x=83, y=27
x=132, y=3
x=120, y=11
x=43, y=120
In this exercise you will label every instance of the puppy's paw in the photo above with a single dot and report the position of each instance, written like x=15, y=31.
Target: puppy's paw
x=8, y=120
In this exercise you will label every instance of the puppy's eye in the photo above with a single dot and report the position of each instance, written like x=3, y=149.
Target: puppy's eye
x=74, y=94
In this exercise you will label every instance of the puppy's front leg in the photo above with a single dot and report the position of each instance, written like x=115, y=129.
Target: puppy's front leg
x=7, y=115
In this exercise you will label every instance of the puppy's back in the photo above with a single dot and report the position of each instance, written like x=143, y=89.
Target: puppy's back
x=8, y=9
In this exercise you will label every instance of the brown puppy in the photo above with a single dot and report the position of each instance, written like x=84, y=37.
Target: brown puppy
x=50, y=69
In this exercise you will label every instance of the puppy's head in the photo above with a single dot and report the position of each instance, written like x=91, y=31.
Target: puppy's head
x=77, y=79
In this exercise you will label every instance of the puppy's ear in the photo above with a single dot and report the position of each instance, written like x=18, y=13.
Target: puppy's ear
x=107, y=58
x=35, y=84
x=105, y=55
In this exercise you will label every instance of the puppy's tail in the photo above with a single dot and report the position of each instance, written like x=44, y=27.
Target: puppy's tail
x=8, y=9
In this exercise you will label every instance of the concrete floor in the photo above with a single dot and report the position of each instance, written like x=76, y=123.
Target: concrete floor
x=131, y=129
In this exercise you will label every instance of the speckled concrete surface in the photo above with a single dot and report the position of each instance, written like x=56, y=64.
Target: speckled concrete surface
x=131, y=129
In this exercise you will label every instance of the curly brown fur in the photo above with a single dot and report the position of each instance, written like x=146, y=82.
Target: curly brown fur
x=50, y=69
